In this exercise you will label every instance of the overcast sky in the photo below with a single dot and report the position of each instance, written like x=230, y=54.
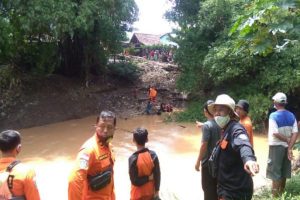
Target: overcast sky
x=151, y=17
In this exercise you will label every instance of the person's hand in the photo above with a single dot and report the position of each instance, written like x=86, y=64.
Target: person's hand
x=290, y=154
x=288, y=140
x=199, y=124
x=197, y=166
x=251, y=167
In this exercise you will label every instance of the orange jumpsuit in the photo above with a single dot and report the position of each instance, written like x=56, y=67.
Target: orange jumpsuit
x=246, y=122
x=142, y=164
x=93, y=158
x=24, y=179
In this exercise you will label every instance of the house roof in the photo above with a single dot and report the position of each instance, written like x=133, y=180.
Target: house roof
x=146, y=39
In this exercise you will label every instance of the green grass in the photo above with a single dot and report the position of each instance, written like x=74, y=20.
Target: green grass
x=193, y=112
x=292, y=191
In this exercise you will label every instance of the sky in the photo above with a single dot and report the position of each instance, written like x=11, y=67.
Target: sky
x=151, y=17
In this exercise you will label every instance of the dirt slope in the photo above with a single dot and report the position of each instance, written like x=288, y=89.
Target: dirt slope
x=57, y=98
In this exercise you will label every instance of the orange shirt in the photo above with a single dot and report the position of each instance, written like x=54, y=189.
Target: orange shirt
x=24, y=179
x=246, y=122
x=152, y=94
x=93, y=158
x=145, y=167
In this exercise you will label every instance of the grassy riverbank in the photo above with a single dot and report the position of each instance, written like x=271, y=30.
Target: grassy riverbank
x=292, y=191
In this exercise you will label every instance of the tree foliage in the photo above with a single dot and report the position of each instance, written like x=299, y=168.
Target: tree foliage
x=67, y=36
x=249, y=49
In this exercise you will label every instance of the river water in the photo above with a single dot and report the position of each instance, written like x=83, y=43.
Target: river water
x=51, y=150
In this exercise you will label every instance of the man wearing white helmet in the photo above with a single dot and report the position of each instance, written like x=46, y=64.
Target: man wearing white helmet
x=235, y=159
x=282, y=135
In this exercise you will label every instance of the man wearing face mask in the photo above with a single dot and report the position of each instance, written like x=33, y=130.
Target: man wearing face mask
x=92, y=177
x=236, y=161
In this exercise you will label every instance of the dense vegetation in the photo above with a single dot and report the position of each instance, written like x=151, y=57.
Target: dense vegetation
x=249, y=49
x=70, y=37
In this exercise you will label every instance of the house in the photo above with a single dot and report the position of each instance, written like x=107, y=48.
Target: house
x=139, y=39
x=165, y=39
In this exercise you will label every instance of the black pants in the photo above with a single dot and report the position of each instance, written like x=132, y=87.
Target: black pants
x=209, y=185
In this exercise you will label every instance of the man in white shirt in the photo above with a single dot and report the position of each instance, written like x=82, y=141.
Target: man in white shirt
x=282, y=135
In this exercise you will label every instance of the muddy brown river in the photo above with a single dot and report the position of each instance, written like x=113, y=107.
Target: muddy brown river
x=51, y=149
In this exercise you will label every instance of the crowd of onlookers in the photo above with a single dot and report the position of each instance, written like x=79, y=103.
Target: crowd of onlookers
x=161, y=55
x=158, y=55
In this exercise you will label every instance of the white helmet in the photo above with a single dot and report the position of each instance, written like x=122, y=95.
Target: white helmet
x=280, y=97
x=223, y=99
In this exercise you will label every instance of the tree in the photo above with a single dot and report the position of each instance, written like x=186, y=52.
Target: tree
x=67, y=36
x=249, y=49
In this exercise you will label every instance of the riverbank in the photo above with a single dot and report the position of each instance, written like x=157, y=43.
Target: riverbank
x=56, y=98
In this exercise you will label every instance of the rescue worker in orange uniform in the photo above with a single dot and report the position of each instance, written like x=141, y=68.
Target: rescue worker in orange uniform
x=152, y=94
x=242, y=109
x=18, y=178
x=93, y=176
x=144, y=170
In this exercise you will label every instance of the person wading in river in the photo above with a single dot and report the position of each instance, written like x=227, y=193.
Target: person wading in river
x=17, y=180
x=93, y=176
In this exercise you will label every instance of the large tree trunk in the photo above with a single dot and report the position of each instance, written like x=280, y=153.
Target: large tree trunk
x=72, y=56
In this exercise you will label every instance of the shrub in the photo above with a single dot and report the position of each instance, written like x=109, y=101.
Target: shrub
x=124, y=70
x=292, y=191
x=193, y=112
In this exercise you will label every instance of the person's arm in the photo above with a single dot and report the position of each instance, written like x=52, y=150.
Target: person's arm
x=78, y=177
x=203, y=148
x=156, y=174
x=293, y=140
x=199, y=124
x=273, y=128
x=30, y=188
x=282, y=137
x=133, y=173
x=202, y=152
x=241, y=143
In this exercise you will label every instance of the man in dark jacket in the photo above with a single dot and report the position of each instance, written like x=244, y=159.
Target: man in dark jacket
x=236, y=159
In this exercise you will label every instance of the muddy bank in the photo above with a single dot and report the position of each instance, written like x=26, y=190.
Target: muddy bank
x=57, y=98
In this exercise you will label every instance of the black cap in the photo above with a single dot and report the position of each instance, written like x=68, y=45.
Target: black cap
x=244, y=104
x=207, y=104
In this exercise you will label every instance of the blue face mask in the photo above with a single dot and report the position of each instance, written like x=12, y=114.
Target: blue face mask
x=222, y=121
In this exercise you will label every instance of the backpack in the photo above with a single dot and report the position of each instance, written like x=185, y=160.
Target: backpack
x=6, y=182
